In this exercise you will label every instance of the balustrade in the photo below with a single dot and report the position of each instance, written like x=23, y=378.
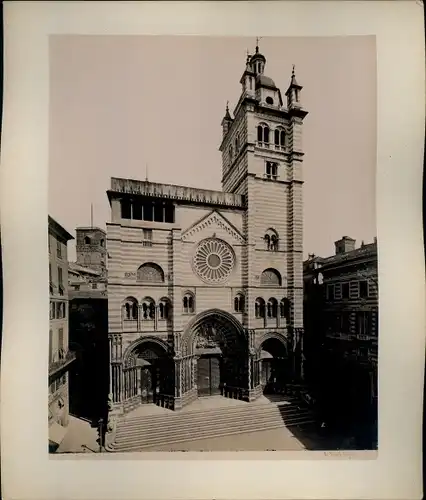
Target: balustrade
x=60, y=360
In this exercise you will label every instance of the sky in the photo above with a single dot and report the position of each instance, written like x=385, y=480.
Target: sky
x=128, y=106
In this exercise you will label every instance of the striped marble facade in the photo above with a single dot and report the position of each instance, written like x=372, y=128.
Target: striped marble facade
x=159, y=301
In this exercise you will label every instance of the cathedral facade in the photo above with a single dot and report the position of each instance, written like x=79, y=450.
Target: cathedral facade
x=205, y=288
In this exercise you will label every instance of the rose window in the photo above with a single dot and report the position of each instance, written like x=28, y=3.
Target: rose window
x=214, y=260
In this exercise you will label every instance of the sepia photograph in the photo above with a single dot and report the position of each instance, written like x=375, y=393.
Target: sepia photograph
x=225, y=198
x=212, y=244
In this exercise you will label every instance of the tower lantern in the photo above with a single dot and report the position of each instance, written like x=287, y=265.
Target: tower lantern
x=258, y=61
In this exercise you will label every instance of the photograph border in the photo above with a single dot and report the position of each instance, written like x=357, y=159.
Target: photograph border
x=396, y=473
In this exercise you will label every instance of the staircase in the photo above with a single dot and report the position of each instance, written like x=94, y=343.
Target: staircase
x=140, y=432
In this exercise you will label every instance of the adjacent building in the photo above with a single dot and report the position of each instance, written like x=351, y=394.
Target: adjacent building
x=205, y=288
x=88, y=325
x=60, y=356
x=341, y=339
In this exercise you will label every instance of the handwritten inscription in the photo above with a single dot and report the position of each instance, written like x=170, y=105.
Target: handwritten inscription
x=339, y=453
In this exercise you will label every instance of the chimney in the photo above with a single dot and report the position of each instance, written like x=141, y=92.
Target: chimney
x=344, y=245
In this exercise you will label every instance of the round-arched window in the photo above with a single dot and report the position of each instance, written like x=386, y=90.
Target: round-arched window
x=269, y=100
x=150, y=273
x=270, y=277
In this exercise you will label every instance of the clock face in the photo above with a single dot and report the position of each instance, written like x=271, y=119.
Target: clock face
x=214, y=260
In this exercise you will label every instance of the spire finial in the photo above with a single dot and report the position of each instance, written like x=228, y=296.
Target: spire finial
x=257, y=44
x=293, y=71
x=227, y=105
x=146, y=172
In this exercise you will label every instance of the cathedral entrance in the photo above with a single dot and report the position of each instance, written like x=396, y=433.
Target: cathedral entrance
x=274, y=373
x=148, y=375
x=208, y=375
x=215, y=358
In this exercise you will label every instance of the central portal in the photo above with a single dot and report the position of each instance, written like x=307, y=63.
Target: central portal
x=208, y=376
x=215, y=358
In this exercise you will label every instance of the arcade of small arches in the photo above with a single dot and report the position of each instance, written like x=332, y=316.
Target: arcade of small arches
x=149, y=310
x=146, y=310
x=271, y=308
x=215, y=355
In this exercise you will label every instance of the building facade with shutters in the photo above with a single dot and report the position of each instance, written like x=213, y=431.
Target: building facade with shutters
x=205, y=288
x=60, y=356
x=343, y=291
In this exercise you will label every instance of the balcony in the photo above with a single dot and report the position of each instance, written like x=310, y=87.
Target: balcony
x=60, y=360
x=363, y=337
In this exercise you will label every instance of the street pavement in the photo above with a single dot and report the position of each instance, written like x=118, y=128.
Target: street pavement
x=271, y=440
x=80, y=437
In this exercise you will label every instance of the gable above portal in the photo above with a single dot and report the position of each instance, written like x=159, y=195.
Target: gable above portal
x=214, y=221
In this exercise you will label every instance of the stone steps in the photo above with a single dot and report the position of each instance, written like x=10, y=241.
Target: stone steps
x=171, y=416
x=138, y=433
x=198, y=423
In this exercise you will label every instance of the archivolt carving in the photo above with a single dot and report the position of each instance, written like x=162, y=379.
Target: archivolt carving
x=208, y=337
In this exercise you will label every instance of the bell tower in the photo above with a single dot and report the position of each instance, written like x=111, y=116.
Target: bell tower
x=262, y=158
x=91, y=248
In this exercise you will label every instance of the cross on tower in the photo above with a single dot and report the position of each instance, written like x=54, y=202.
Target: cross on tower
x=258, y=38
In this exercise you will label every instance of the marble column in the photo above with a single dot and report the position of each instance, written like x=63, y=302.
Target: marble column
x=178, y=378
x=194, y=371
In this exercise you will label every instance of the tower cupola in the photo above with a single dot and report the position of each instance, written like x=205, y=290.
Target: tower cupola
x=258, y=62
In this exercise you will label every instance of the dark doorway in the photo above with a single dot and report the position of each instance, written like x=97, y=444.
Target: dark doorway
x=148, y=385
x=274, y=376
x=275, y=372
x=151, y=383
x=156, y=374
x=208, y=375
